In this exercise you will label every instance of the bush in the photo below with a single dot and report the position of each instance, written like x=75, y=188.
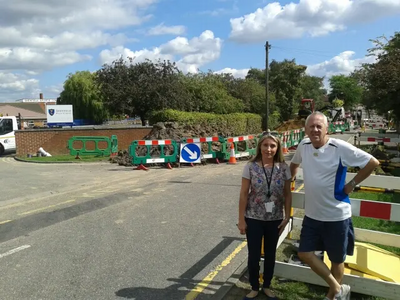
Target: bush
x=237, y=123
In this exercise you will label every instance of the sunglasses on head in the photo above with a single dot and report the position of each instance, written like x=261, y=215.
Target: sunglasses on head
x=273, y=133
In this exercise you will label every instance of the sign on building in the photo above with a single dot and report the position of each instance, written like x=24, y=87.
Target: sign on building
x=59, y=115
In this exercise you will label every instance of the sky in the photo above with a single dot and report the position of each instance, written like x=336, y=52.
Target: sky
x=43, y=41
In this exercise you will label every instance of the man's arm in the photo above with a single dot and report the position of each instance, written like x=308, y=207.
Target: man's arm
x=361, y=175
x=293, y=169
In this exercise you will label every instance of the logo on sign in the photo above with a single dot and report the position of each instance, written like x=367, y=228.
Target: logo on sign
x=51, y=112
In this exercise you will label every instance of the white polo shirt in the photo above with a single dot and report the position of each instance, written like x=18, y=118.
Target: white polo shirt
x=324, y=172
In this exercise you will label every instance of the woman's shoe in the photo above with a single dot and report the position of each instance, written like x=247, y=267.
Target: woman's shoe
x=249, y=298
x=269, y=297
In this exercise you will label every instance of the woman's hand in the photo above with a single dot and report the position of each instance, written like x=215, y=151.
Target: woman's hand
x=242, y=226
x=282, y=226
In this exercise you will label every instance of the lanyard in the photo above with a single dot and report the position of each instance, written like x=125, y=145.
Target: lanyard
x=266, y=177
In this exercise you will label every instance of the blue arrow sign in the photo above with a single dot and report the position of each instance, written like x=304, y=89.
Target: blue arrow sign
x=190, y=153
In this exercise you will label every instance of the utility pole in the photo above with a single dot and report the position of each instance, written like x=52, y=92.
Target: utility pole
x=267, y=47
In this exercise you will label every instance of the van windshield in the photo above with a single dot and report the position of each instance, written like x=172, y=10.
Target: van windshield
x=6, y=126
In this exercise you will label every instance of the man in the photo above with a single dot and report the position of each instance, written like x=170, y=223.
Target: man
x=327, y=223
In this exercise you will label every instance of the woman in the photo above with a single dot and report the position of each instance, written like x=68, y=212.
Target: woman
x=264, y=195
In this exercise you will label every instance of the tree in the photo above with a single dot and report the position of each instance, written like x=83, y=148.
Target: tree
x=257, y=75
x=337, y=103
x=382, y=78
x=141, y=88
x=81, y=91
x=346, y=88
x=207, y=92
x=285, y=83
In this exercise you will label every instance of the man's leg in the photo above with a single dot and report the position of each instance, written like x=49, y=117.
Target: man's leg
x=311, y=240
x=338, y=242
x=319, y=267
x=337, y=271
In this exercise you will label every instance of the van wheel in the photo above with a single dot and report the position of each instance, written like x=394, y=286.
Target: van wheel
x=1, y=149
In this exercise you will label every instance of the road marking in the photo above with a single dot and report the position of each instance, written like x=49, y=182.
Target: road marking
x=299, y=189
x=15, y=250
x=200, y=287
x=351, y=138
x=4, y=222
x=44, y=208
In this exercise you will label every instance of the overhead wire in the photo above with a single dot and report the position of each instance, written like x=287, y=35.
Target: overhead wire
x=306, y=51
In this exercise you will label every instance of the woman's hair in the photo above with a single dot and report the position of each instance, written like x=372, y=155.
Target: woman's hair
x=278, y=155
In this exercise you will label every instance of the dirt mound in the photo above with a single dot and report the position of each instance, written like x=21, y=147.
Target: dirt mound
x=290, y=125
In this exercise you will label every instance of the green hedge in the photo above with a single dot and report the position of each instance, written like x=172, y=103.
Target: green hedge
x=237, y=123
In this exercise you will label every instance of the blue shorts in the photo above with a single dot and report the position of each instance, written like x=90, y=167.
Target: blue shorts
x=336, y=238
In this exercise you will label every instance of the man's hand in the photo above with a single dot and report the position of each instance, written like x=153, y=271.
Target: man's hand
x=348, y=188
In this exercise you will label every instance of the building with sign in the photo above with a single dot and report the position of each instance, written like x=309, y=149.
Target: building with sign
x=31, y=111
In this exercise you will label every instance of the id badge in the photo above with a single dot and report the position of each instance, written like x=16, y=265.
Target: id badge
x=269, y=206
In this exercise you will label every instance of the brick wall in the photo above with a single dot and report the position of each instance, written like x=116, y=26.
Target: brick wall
x=55, y=141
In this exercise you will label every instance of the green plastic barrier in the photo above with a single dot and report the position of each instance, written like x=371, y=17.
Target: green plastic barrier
x=148, y=159
x=92, y=139
x=114, y=145
x=225, y=152
x=211, y=154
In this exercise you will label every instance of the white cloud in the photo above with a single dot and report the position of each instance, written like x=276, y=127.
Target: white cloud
x=307, y=17
x=161, y=29
x=15, y=86
x=188, y=54
x=41, y=35
x=54, y=31
x=241, y=73
x=32, y=59
x=344, y=63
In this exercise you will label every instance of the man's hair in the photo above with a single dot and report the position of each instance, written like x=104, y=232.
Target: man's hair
x=317, y=113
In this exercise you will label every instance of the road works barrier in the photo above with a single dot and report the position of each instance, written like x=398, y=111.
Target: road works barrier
x=111, y=149
x=225, y=150
x=211, y=154
x=248, y=148
x=379, y=138
x=384, y=279
x=148, y=158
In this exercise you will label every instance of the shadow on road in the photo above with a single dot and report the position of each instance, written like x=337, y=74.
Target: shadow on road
x=185, y=283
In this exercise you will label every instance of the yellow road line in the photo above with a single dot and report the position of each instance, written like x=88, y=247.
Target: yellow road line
x=4, y=222
x=299, y=189
x=44, y=208
x=200, y=287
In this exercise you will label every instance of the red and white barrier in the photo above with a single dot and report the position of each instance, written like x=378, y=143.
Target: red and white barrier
x=376, y=210
x=154, y=142
x=203, y=139
x=155, y=159
x=379, y=139
x=296, y=137
x=240, y=138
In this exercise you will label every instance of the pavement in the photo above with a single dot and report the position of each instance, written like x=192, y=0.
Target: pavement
x=103, y=231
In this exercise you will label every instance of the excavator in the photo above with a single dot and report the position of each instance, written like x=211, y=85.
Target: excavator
x=307, y=108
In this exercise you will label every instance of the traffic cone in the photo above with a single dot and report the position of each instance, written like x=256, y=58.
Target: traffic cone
x=285, y=149
x=232, y=158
